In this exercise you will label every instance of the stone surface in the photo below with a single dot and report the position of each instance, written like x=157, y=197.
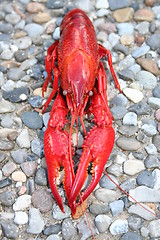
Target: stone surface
x=123, y=15
x=147, y=79
x=9, y=229
x=128, y=144
x=145, y=194
x=102, y=222
x=36, y=223
x=139, y=211
x=119, y=226
x=22, y=203
x=149, y=65
x=118, y=4
x=144, y=15
x=131, y=167
x=42, y=200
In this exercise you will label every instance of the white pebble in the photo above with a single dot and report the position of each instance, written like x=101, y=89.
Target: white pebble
x=134, y=95
x=20, y=218
x=132, y=167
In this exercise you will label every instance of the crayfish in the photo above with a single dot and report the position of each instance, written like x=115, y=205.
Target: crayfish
x=75, y=60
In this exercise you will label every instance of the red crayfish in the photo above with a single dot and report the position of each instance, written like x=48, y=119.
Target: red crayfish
x=83, y=82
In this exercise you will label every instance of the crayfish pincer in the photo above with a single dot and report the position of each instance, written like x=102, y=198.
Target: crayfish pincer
x=75, y=60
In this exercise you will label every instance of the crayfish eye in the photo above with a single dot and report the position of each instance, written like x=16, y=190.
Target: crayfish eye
x=90, y=93
x=64, y=92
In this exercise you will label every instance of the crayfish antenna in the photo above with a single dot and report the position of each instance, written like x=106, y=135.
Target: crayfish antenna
x=141, y=205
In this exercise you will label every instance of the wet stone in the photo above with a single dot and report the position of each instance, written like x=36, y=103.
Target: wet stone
x=5, y=182
x=15, y=95
x=145, y=178
x=68, y=229
x=102, y=222
x=7, y=198
x=32, y=120
x=131, y=236
x=53, y=229
x=29, y=168
x=9, y=229
x=134, y=223
x=116, y=207
x=97, y=208
x=36, y=223
x=118, y=112
x=19, y=156
x=41, y=177
x=154, y=41
x=105, y=182
x=59, y=215
x=128, y=130
x=42, y=200
x=128, y=144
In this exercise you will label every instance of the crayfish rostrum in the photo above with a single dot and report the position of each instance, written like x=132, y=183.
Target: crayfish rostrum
x=83, y=82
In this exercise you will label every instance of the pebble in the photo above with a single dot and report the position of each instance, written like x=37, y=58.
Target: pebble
x=53, y=229
x=6, y=54
x=20, y=218
x=37, y=147
x=149, y=65
x=21, y=55
x=68, y=229
x=23, y=140
x=7, y=198
x=131, y=236
x=102, y=13
x=145, y=194
x=123, y=15
x=128, y=144
x=149, y=130
x=97, y=208
x=23, y=43
x=22, y=202
x=55, y=4
x=128, y=130
x=119, y=100
x=42, y=200
x=113, y=39
x=105, y=182
x=154, y=41
x=116, y=207
x=119, y=226
x=8, y=168
x=156, y=11
x=36, y=223
x=12, y=18
x=151, y=161
x=19, y=176
x=41, y=177
x=156, y=142
x=125, y=28
x=16, y=95
x=151, y=149
x=29, y=168
x=54, y=237
x=156, y=93
x=102, y=4
x=140, y=51
x=9, y=229
x=34, y=30
x=32, y=120
x=126, y=62
x=35, y=7
x=115, y=169
x=56, y=34
x=127, y=39
x=154, y=102
x=19, y=156
x=134, y=222
x=41, y=18
x=139, y=211
x=118, y=112
x=143, y=27
x=133, y=95
x=59, y=215
x=145, y=178
x=144, y=14
x=127, y=75
x=154, y=228
x=118, y=4
x=102, y=222
x=15, y=74
x=6, y=107
x=130, y=119
x=147, y=79
x=106, y=195
x=132, y=167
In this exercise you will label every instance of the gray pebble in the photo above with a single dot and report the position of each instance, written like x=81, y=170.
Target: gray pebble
x=136, y=209
x=32, y=120
x=154, y=41
x=53, y=237
x=42, y=200
x=84, y=230
x=34, y=30
x=6, y=145
x=68, y=229
x=102, y=222
x=55, y=4
x=21, y=55
x=19, y=156
x=2, y=156
x=127, y=75
x=126, y=62
x=156, y=91
x=128, y=184
x=118, y=112
x=143, y=27
x=140, y=108
x=23, y=43
x=119, y=226
x=154, y=102
x=149, y=130
x=97, y=208
x=105, y=182
x=118, y=4
x=116, y=207
x=138, y=52
x=29, y=168
x=7, y=198
x=30, y=186
x=151, y=162
x=17, y=95
x=41, y=177
x=15, y=74
x=156, y=142
x=154, y=228
x=121, y=48
x=125, y=28
x=6, y=28
x=119, y=100
x=4, y=37
x=128, y=144
x=145, y=178
x=12, y=18
x=130, y=119
x=128, y=130
x=37, y=147
x=53, y=229
x=134, y=222
x=59, y=215
x=5, y=182
x=36, y=223
x=131, y=236
x=151, y=149
x=9, y=229
x=147, y=79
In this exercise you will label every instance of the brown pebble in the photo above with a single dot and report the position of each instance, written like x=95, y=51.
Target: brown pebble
x=29, y=168
x=19, y=34
x=10, y=64
x=123, y=15
x=157, y=115
x=22, y=190
x=159, y=127
x=149, y=65
x=107, y=27
x=50, y=28
x=41, y=18
x=34, y=7
x=139, y=40
x=149, y=3
x=12, y=136
x=144, y=15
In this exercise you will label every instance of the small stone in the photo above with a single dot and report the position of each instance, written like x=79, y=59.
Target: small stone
x=20, y=218
x=6, y=106
x=68, y=229
x=23, y=43
x=36, y=223
x=134, y=95
x=157, y=115
x=106, y=195
x=154, y=228
x=132, y=167
x=156, y=11
x=145, y=194
x=41, y=177
x=147, y=79
x=29, y=168
x=154, y=102
x=42, y=200
x=131, y=236
x=15, y=74
x=53, y=229
x=102, y=13
x=128, y=130
x=97, y=208
x=35, y=7
x=5, y=182
x=127, y=75
x=151, y=149
x=19, y=156
x=144, y=15
x=125, y=28
x=54, y=237
x=19, y=176
x=32, y=120
x=130, y=119
x=9, y=229
x=148, y=65
x=55, y=4
x=139, y=211
x=151, y=161
x=8, y=168
x=127, y=39
x=102, y=222
x=118, y=112
x=145, y=178
x=156, y=93
x=149, y=130
x=113, y=39
x=119, y=100
x=143, y=27
x=116, y=207
x=15, y=95
x=41, y=18
x=21, y=55
x=12, y=18
x=102, y=4
x=107, y=27
x=134, y=222
x=6, y=54
x=59, y=215
x=105, y=182
x=126, y=62
x=119, y=226
x=128, y=144
x=156, y=142
x=140, y=51
x=34, y=30
x=154, y=41
x=119, y=4
x=123, y=15
x=22, y=203
x=23, y=139
x=56, y=34
x=37, y=147
x=7, y=198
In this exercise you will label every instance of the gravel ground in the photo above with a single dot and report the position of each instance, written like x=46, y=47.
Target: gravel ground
x=131, y=30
